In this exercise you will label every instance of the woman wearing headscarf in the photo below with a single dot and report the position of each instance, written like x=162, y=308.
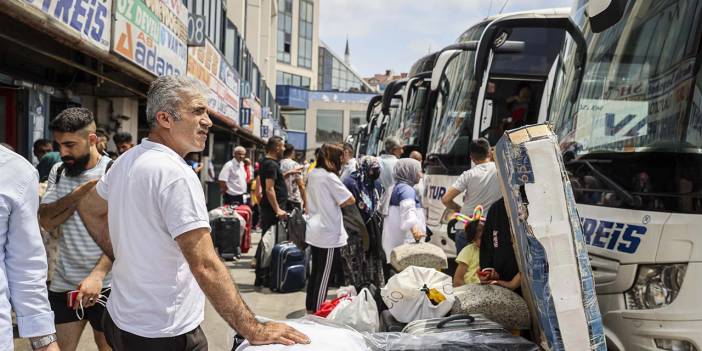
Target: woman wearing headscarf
x=364, y=185
x=362, y=258
x=405, y=221
x=325, y=231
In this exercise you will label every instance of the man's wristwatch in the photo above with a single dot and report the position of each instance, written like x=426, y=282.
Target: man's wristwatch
x=42, y=341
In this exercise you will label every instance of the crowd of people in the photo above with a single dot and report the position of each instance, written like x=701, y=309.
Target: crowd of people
x=128, y=237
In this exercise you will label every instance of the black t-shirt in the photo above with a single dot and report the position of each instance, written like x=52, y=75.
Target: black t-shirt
x=496, y=249
x=270, y=169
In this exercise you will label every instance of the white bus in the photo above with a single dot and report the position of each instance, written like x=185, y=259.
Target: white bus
x=632, y=140
x=473, y=81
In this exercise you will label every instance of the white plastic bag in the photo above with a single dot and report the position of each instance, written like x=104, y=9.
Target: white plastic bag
x=406, y=299
x=349, y=290
x=358, y=312
x=267, y=243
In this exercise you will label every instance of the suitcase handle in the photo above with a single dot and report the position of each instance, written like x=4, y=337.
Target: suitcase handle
x=469, y=320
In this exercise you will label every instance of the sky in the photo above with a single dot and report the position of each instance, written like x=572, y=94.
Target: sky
x=393, y=34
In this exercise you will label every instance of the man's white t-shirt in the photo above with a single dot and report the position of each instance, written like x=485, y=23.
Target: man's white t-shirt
x=153, y=197
x=480, y=186
x=325, y=226
x=234, y=175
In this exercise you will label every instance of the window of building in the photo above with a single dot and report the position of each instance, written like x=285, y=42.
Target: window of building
x=356, y=120
x=295, y=120
x=285, y=78
x=284, y=30
x=305, y=33
x=330, y=126
x=231, y=44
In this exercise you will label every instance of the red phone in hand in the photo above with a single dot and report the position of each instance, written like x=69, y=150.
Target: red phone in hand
x=71, y=297
x=486, y=272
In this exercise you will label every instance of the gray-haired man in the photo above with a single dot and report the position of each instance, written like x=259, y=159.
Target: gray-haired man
x=393, y=151
x=159, y=235
x=232, y=178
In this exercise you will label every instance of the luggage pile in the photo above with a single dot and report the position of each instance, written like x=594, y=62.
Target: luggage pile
x=281, y=259
x=231, y=230
x=421, y=310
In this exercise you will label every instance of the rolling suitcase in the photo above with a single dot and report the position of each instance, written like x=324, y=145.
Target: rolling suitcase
x=287, y=268
x=245, y=212
x=226, y=233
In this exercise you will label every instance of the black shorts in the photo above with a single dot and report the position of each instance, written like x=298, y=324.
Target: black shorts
x=65, y=314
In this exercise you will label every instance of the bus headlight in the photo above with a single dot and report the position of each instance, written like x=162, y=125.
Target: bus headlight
x=656, y=286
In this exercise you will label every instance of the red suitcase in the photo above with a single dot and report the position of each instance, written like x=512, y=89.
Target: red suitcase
x=245, y=212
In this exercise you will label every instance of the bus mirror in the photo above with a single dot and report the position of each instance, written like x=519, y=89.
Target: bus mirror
x=603, y=14
x=510, y=47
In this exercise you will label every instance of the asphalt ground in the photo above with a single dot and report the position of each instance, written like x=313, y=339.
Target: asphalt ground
x=262, y=301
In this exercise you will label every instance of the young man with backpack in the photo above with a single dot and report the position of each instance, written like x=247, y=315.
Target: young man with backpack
x=81, y=265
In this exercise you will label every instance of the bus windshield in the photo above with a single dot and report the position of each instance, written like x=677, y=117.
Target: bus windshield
x=637, y=116
x=638, y=83
x=417, y=97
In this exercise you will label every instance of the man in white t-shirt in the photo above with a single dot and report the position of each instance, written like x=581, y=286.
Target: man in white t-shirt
x=159, y=236
x=479, y=185
x=232, y=178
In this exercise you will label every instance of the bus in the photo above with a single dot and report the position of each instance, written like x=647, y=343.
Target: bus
x=632, y=143
x=363, y=139
x=474, y=80
x=417, y=101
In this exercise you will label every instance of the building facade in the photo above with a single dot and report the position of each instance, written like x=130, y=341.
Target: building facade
x=336, y=74
x=103, y=54
x=297, y=42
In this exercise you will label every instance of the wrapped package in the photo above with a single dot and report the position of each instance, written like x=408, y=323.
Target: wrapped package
x=324, y=336
x=498, y=304
x=418, y=254
x=409, y=294
x=548, y=240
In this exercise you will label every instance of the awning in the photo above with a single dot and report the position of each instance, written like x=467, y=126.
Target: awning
x=235, y=127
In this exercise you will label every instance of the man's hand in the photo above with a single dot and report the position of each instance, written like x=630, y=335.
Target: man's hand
x=277, y=333
x=51, y=347
x=281, y=214
x=89, y=291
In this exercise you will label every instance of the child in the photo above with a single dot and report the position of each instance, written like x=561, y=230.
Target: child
x=468, y=259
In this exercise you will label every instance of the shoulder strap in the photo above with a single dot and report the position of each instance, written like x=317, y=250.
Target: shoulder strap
x=59, y=172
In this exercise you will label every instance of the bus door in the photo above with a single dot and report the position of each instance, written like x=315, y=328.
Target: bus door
x=516, y=90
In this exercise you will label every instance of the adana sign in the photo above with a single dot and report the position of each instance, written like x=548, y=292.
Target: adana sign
x=152, y=34
x=90, y=19
x=207, y=64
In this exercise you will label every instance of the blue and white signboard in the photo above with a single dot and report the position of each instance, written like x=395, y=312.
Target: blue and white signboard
x=92, y=19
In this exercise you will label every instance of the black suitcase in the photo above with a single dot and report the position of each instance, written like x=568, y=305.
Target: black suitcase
x=226, y=232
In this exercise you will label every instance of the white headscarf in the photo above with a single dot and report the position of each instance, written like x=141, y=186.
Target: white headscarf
x=406, y=170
